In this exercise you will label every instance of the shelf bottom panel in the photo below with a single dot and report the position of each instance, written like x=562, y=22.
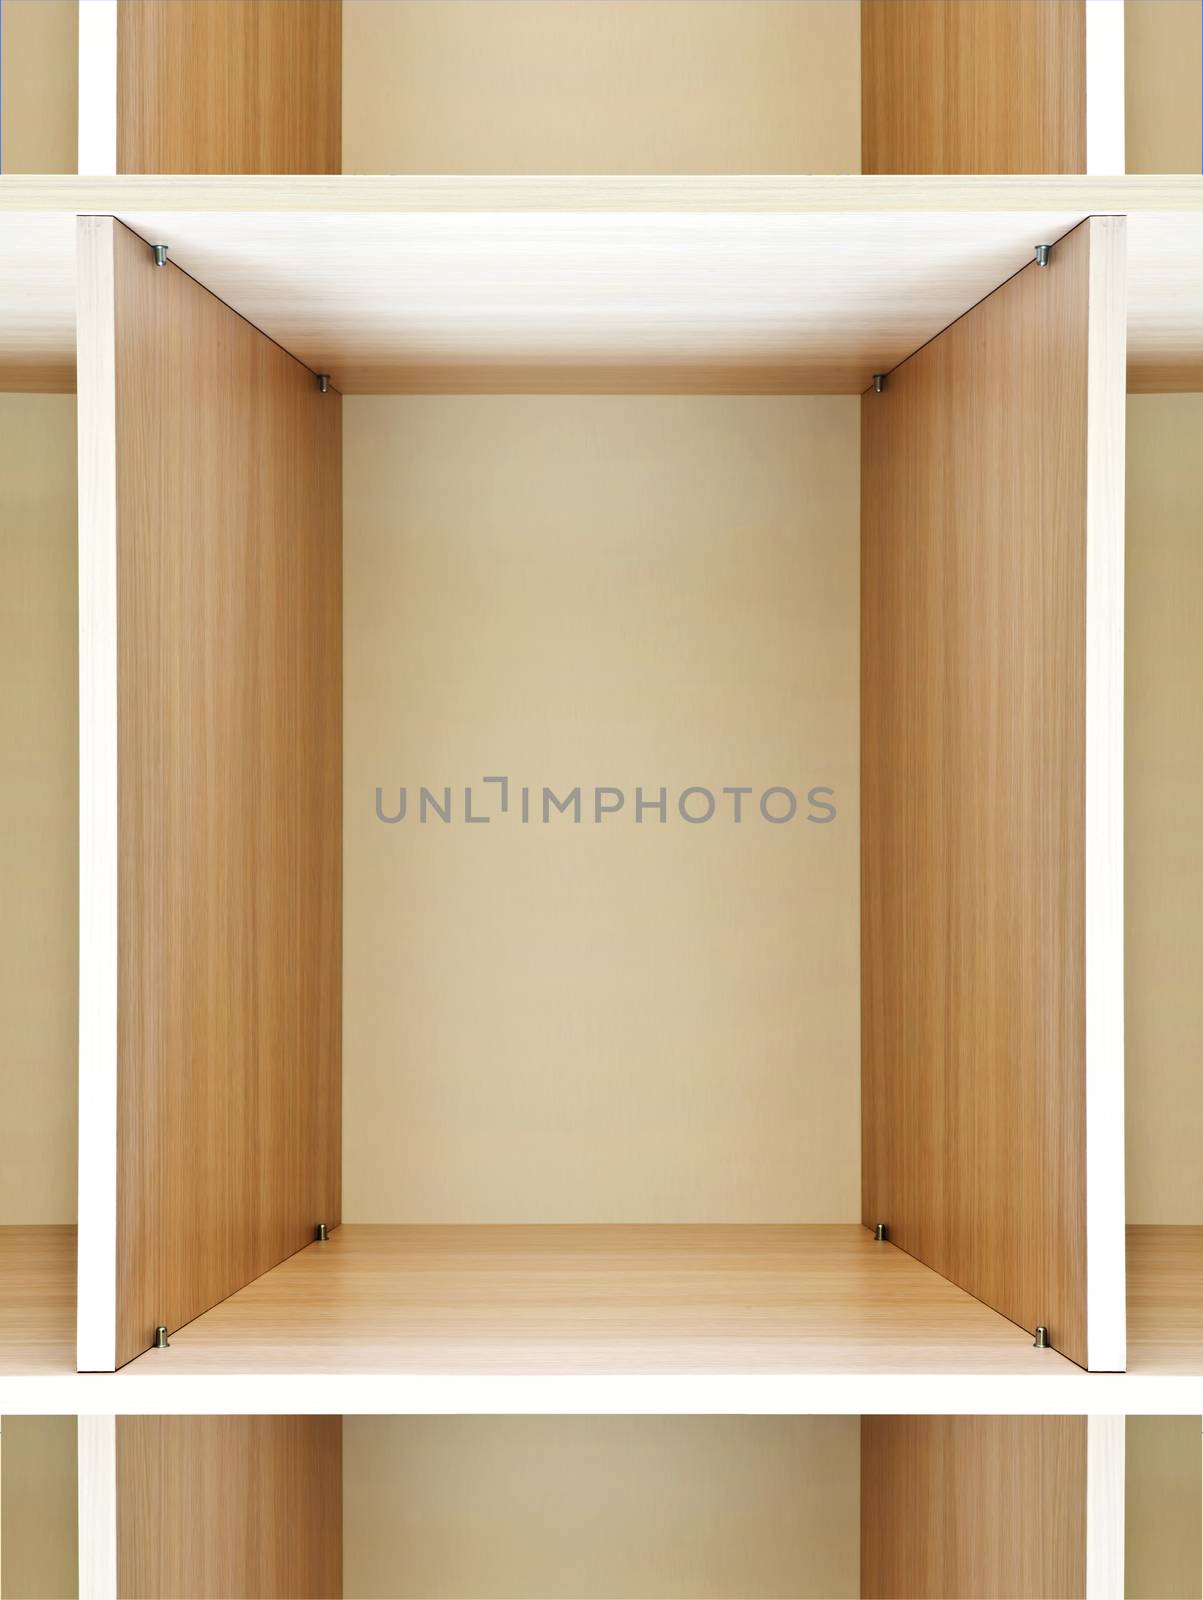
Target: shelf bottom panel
x=598, y=1299
x=1165, y=1300
x=37, y=1300
x=821, y=1298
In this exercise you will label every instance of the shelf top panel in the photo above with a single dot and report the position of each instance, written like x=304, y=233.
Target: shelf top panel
x=781, y=299
x=556, y=195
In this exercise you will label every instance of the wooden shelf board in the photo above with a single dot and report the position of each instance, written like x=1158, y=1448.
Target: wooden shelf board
x=654, y=192
x=600, y=1300
x=577, y=1299
x=764, y=299
x=37, y=1300
x=1165, y=1300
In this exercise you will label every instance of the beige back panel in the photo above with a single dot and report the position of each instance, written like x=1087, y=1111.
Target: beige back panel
x=39, y=807
x=613, y=1506
x=614, y=1022
x=527, y=86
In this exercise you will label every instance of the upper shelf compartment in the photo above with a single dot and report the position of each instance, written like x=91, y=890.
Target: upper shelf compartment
x=618, y=87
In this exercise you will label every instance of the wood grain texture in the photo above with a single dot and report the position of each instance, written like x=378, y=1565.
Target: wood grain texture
x=229, y=1508
x=412, y=1297
x=228, y=535
x=336, y=280
x=630, y=1299
x=899, y=193
x=37, y=1300
x=964, y=1508
x=973, y=86
x=761, y=304
x=1165, y=1299
x=973, y=759
x=229, y=86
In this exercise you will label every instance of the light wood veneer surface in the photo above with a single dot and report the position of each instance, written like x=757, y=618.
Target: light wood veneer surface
x=802, y=303
x=37, y=1300
x=229, y=1508
x=1165, y=1299
x=973, y=758
x=278, y=268
x=960, y=1506
x=229, y=738
x=964, y=86
x=229, y=86
x=777, y=1294
x=601, y=1299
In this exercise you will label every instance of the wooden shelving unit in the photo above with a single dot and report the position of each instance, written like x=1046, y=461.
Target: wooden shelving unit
x=578, y=433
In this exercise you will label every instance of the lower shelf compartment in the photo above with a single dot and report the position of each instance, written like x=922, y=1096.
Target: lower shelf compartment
x=595, y=1299
x=520, y=1507
x=600, y=1299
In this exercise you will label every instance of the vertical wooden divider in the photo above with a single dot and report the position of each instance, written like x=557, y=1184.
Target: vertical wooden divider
x=992, y=784
x=211, y=739
x=956, y=1506
x=210, y=1508
x=211, y=86
x=984, y=86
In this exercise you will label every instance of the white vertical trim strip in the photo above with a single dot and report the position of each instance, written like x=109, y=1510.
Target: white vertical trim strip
x=1106, y=1287
x=1106, y=1445
x=98, y=88
x=1105, y=153
x=97, y=1450
x=96, y=1306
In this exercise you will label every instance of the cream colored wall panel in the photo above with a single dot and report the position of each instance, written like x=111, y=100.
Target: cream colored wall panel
x=39, y=85
x=1163, y=1554
x=526, y=86
x=612, y=1022
x=1164, y=844
x=39, y=787
x=615, y=1506
x=39, y=1544
x=37, y=302
x=1163, y=60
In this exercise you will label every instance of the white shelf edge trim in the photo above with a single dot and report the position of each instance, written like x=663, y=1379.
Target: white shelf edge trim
x=96, y=1306
x=1105, y=153
x=1106, y=1276
x=1106, y=1445
x=96, y=1439
x=98, y=88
